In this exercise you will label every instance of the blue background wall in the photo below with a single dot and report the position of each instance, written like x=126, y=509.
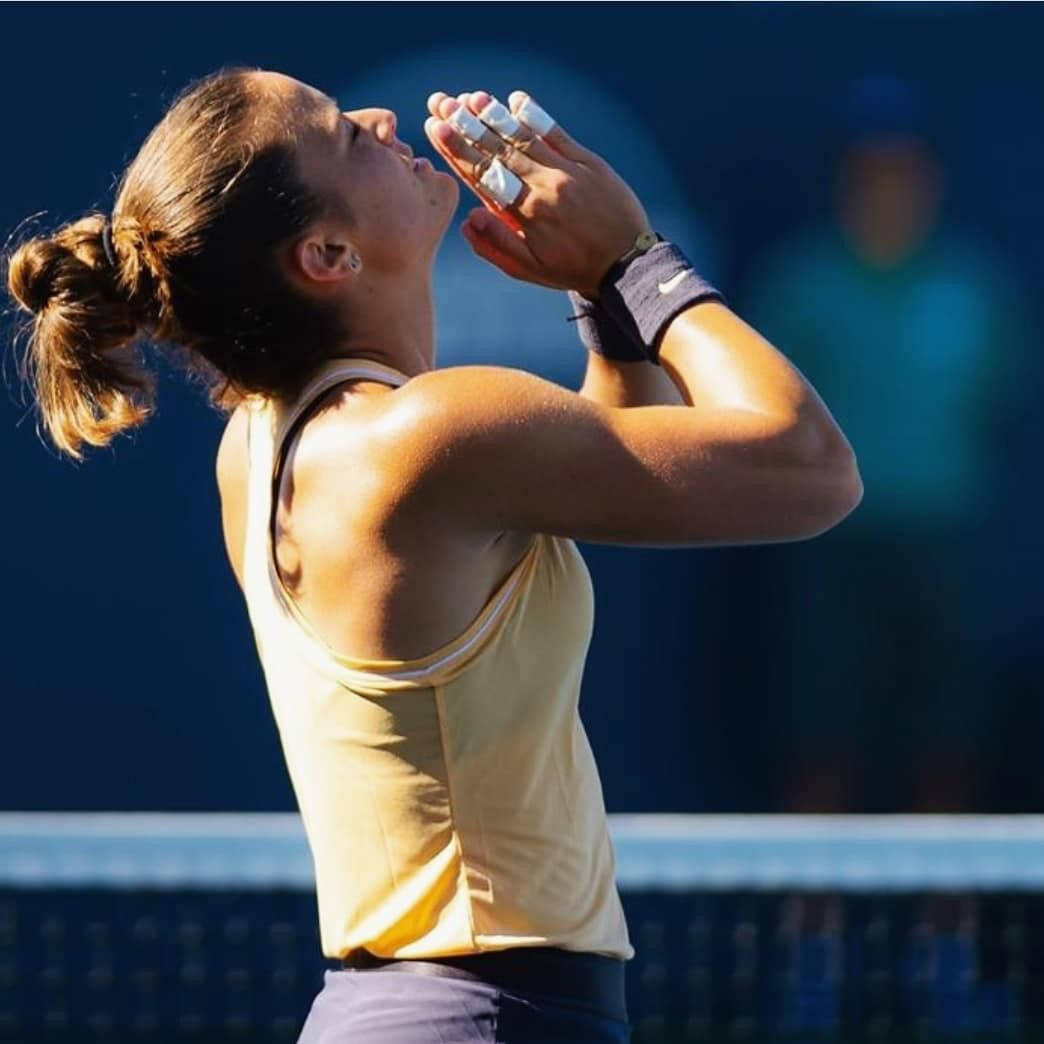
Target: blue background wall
x=128, y=677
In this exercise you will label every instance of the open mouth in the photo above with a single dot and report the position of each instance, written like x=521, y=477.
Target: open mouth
x=421, y=164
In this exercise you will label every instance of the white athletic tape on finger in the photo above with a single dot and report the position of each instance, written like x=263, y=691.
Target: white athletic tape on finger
x=498, y=116
x=502, y=184
x=465, y=122
x=534, y=117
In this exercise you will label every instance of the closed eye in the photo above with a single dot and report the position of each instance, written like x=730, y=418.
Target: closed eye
x=354, y=131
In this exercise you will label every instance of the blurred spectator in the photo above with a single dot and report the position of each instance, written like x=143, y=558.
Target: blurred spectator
x=914, y=335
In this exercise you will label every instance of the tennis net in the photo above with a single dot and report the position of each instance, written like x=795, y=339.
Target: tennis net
x=156, y=927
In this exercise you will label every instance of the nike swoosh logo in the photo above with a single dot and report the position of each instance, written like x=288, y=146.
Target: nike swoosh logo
x=666, y=288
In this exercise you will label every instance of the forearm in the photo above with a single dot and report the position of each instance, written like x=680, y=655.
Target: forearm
x=719, y=361
x=614, y=383
x=619, y=372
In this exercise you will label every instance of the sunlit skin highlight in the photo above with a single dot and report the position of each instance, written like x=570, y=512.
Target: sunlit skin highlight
x=399, y=216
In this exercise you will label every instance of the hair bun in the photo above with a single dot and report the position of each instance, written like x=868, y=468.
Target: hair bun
x=33, y=271
x=80, y=359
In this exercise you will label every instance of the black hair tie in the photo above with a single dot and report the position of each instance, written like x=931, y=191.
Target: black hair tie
x=106, y=238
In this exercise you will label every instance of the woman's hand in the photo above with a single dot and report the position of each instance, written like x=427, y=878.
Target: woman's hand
x=573, y=218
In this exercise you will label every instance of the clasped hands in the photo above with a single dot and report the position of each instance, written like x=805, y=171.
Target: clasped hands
x=571, y=217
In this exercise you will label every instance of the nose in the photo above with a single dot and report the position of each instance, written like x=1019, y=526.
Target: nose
x=382, y=124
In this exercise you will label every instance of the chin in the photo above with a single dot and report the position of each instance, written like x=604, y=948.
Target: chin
x=452, y=183
x=449, y=206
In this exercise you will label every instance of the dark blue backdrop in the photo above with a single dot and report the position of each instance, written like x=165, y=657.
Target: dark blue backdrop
x=129, y=678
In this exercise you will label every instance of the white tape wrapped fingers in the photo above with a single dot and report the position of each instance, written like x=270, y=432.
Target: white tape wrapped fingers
x=498, y=117
x=502, y=184
x=467, y=124
x=534, y=117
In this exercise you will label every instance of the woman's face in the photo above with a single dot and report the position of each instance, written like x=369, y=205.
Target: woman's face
x=400, y=209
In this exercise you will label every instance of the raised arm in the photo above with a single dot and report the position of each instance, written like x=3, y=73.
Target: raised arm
x=720, y=362
x=611, y=382
x=752, y=457
x=483, y=449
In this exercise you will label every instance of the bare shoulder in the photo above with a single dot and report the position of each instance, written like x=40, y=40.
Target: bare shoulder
x=494, y=448
x=231, y=475
x=449, y=431
x=231, y=454
x=444, y=411
x=479, y=394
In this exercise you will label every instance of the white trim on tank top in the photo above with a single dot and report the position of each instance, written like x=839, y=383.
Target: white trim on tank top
x=491, y=610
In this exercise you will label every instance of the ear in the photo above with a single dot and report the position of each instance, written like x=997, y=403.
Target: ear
x=324, y=258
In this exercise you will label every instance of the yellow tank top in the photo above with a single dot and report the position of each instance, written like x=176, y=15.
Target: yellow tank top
x=451, y=803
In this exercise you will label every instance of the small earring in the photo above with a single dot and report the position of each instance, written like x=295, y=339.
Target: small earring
x=354, y=262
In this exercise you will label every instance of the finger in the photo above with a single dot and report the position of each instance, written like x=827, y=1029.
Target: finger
x=467, y=125
x=466, y=157
x=435, y=100
x=492, y=240
x=467, y=161
x=483, y=249
x=434, y=103
x=556, y=136
x=460, y=115
x=522, y=159
x=499, y=118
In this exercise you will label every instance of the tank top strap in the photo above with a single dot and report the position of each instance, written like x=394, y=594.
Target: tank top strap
x=269, y=420
x=332, y=372
x=273, y=611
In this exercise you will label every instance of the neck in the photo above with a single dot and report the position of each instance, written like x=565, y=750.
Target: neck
x=395, y=326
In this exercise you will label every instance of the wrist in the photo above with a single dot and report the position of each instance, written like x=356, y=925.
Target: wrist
x=643, y=242
x=601, y=334
x=637, y=244
x=644, y=294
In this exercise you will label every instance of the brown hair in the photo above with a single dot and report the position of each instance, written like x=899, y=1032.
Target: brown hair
x=199, y=213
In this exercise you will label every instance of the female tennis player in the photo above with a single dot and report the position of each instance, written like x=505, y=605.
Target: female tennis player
x=404, y=534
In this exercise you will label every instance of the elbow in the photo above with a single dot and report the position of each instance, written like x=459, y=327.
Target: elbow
x=833, y=487
x=838, y=491
x=852, y=484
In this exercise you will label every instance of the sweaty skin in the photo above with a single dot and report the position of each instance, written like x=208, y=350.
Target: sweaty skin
x=344, y=522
